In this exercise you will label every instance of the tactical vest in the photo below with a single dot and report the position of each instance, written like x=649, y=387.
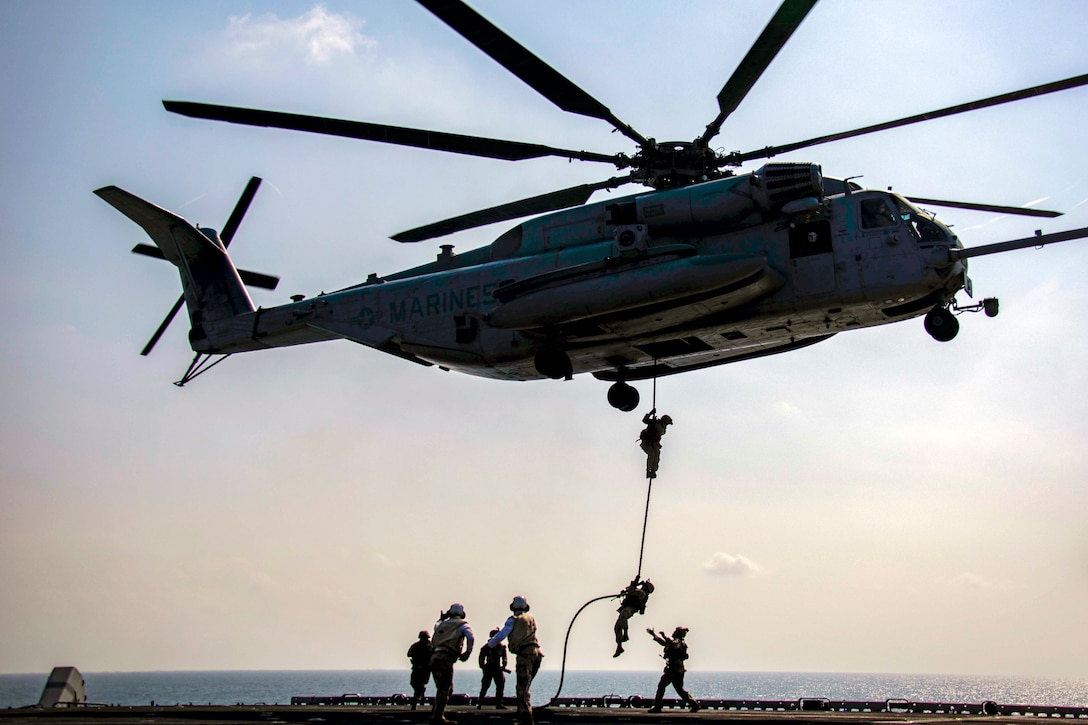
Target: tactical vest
x=635, y=599
x=676, y=651
x=447, y=635
x=523, y=634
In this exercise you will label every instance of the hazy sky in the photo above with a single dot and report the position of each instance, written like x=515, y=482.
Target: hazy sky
x=878, y=503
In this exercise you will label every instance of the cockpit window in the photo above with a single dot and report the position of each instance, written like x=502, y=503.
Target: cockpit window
x=875, y=213
x=906, y=210
x=923, y=224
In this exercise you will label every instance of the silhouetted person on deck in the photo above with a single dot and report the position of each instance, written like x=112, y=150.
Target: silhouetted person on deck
x=676, y=651
x=493, y=666
x=450, y=632
x=420, y=654
x=520, y=632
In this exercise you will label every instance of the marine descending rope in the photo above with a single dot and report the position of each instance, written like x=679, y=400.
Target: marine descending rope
x=641, y=550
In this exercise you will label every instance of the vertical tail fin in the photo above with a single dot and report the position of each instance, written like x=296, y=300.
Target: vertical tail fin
x=212, y=287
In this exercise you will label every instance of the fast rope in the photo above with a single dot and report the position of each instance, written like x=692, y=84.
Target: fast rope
x=566, y=640
x=641, y=550
x=645, y=519
x=649, y=489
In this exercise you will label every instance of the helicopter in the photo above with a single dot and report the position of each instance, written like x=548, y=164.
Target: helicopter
x=708, y=266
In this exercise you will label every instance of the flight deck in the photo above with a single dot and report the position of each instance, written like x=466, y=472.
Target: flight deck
x=349, y=709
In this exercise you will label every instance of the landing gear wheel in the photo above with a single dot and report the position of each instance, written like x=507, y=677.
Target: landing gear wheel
x=551, y=362
x=623, y=397
x=941, y=324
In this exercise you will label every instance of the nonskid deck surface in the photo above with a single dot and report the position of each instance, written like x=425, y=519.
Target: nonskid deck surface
x=347, y=710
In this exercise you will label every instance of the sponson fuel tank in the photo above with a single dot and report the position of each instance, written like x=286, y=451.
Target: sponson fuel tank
x=603, y=290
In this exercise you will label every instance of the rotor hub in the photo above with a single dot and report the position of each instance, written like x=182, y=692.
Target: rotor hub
x=669, y=164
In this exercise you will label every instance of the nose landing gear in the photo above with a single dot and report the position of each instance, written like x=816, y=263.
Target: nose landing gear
x=941, y=322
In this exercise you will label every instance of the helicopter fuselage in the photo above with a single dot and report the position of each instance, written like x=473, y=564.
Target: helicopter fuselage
x=645, y=285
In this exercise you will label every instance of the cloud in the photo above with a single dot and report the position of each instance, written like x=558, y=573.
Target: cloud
x=786, y=409
x=316, y=37
x=386, y=561
x=971, y=580
x=722, y=564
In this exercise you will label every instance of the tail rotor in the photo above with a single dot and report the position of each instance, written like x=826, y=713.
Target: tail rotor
x=253, y=279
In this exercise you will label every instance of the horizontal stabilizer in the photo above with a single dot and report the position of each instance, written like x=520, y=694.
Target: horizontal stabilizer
x=251, y=279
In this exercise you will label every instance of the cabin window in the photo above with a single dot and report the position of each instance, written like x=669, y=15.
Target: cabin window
x=875, y=214
x=809, y=239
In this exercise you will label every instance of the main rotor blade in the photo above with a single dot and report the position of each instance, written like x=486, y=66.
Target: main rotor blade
x=1054, y=87
x=781, y=26
x=551, y=201
x=397, y=135
x=240, y=210
x=1036, y=241
x=1020, y=210
x=517, y=59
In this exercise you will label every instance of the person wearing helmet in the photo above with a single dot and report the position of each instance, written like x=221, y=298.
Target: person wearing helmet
x=451, y=631
x=420, y=655
x=650, y=439
x=493, y=665
x=676, y=651
x=635, y=595
x=520, y=628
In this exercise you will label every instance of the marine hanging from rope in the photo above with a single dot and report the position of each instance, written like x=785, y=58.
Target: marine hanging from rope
x=650, y=439
x=635, y=595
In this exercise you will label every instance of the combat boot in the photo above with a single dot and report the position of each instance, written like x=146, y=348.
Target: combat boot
x=438, y=717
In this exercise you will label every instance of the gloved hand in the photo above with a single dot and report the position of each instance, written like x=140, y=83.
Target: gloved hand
x=650, y=631
x=464, y=657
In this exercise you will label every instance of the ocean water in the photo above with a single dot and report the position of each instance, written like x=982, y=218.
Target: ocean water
x=278, y=686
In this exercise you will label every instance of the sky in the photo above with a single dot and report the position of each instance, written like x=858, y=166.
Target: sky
x=880, y=502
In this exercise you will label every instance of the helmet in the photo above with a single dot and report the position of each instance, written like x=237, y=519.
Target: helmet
x=666, y=419
x=519, y=604
x=493, y=632
x=424, y=634
x=679, y=632
x=456, y=610
x=647, y=587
